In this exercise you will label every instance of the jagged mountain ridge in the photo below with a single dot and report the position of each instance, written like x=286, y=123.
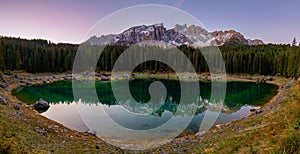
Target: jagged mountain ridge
x=179, y=35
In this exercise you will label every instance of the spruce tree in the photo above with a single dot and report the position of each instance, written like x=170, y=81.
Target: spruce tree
x=294, y=42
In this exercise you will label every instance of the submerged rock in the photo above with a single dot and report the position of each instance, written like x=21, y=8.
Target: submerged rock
x=41, y=105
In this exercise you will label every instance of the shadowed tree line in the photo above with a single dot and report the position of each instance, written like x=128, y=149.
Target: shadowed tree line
x=43, y=56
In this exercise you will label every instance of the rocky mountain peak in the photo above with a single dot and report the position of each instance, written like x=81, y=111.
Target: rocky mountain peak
x=191, y=35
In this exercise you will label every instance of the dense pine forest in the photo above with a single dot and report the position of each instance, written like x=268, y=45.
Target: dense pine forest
x=43, y=56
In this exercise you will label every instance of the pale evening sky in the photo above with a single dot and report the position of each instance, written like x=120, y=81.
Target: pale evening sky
x=273, y=21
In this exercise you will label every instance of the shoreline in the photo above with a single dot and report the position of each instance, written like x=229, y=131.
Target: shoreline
x=44, y=79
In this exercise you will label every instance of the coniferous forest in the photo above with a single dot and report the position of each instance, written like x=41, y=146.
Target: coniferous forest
x=43, y=56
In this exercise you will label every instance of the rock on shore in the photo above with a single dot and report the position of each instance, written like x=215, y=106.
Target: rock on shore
x=41, y=105
x=2, y=100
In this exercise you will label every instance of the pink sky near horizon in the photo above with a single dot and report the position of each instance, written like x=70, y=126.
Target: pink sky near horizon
x=55, y=23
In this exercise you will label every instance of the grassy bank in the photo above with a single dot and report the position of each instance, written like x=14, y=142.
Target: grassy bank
x=275, y=130
x=20, y=132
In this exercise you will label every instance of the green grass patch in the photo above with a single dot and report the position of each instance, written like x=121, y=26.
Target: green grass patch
x=297, y=123
x=291, y=144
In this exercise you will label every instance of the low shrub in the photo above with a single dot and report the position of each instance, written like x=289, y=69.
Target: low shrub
x=7, y=72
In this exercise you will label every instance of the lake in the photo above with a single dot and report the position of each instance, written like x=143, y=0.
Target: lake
x=87, y=113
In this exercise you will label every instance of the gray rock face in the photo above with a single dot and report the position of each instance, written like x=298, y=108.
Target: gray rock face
x=179, y=35
x=137, y=34
x=256, y=42
x=222, y=37
x=102, y=40
x=2, y=101
x=41, y=105
x=155, y=32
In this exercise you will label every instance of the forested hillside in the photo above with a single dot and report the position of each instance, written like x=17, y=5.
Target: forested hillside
x=43, y=56
x=35, y=55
